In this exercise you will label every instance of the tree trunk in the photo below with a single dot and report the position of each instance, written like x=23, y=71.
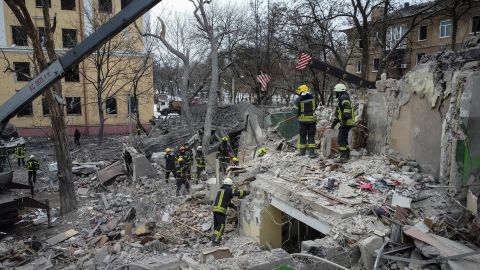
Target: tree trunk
x=365, y=56
x=454, y=29
x=212, y=98
x=101, y=117
x=68, y=201
x=186, y=113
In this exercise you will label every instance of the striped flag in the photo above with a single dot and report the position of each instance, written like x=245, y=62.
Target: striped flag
x=304, y=60
x=263, y=79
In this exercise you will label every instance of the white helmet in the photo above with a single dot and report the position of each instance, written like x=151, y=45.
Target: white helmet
x=200, y=148
x=228, y=181
x=340, y=87
x=32, y=156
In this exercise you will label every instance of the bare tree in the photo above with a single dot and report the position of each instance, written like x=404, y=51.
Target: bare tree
x=205, y=24
x=68, y=201
x=184, y=56
x=108, y=67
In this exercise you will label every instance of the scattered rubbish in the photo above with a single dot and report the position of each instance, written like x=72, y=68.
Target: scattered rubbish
x=61, y=237
x=398, y=200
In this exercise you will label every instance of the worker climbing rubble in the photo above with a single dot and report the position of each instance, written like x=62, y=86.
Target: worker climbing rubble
x=224, y=154
x=307, y=120
x=223, y=200
x=32, y=167
x=169, y=164
x=200, y=163
x=182, y=176
x=345, y=116
x=20, y=152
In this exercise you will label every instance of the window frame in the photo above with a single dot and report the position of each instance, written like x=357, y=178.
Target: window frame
x=27, y=77
x=107, y=104
x=417, y=57
x=68, y=107
x=74, y=5
x=28, y=105
x=64, y=35
x=37, y=5
x=110, y=11
x=69, y=73
x=441, y=26
x=478, y=25
x=358, y=67
x=373, y=65
x=420, y=32
x=19, y=29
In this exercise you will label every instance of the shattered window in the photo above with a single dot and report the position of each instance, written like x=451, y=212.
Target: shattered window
x=39, y=3
x=394, y=35
x=422, y=33
x=45, y=109
x=41, y=35
x=22, y=71
x=111, y=104
x=475, y=24
x=69, y=37
x=72, y=74
x=105, y=6
x=132, y=104
x=125, y=3
x=74, y=106
x=27, y=110
x=68, y=4
x=445, y=28
x=376, y=64
x=19, y=36
x=419, y=57
x=359, y=67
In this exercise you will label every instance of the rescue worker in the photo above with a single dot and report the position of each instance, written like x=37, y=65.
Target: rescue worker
x=307, y=120
x=169, y=164
x=181, y=153
x=223, y=154
x=200, y=163
x=262, y=151
x=32, y=167
x=76, y=137
x=181, y=176
x=345, y=116
x=20, y=153
x=235, y=161
x=221, y=203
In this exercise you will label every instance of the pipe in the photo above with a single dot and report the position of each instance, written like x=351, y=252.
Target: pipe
x=380, y=252
x=320, y=259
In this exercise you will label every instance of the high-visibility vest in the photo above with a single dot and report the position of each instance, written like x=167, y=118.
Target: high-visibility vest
x=345, y=108
x=20, y=152
x=306, y=109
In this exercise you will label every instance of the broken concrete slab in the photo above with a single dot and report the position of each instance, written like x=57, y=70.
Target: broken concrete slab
x=137, y=164
x=331, y=250
x=61, y=237
x=108, y=174
x=82, y=192
x=154, y=263
x=40, y=263
x=269, y=260
x=399, y=200
x=368, y=247
x=217, y=253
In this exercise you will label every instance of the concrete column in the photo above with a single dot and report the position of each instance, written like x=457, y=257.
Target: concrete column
x=3, y=30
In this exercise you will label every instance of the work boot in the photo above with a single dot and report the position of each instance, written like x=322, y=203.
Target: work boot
x=302, y=152
x=311, y=153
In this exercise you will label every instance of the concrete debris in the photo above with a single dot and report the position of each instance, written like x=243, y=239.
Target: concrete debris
x=61, y=237
x=108, y=174
x=216, y=254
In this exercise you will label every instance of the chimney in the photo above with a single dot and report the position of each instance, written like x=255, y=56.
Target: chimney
x=406, y=5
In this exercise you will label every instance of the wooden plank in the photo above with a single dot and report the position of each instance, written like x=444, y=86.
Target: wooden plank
x=61, y=237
